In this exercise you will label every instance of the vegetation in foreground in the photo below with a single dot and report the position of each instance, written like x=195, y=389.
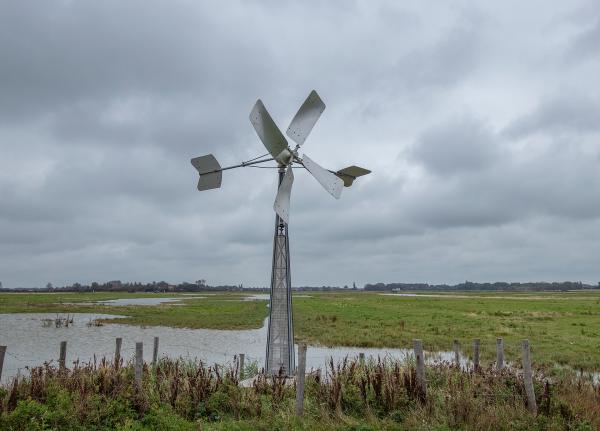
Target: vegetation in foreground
x=563, y=328
x=179, y=395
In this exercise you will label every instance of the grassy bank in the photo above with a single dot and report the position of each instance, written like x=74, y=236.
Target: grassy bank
x=221, y=311
x=563, y=328
x=187, y=396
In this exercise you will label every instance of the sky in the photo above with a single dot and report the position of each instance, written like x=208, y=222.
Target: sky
x=480, y=122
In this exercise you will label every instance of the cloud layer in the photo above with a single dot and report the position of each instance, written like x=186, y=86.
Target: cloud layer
x=481, y=127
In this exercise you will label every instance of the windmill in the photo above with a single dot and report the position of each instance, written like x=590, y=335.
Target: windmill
x=280, y=336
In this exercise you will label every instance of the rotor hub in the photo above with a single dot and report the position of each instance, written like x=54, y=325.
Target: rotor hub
x=285, y=157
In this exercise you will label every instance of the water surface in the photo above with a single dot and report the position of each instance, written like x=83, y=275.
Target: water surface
x=30, y=344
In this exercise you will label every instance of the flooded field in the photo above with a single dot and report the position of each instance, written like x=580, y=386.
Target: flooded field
x=220, y=324
x=123, y=302
x=30, y=343
x=137, y=301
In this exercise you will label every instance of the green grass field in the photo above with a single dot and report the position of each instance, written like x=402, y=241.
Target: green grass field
x=563, y=328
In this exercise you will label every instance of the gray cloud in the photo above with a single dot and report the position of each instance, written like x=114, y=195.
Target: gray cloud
x=482, y=138
x=463, y=144
x=587, y=42
x=566, y=113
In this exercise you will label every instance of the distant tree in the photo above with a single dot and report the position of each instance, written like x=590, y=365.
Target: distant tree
x=49, y=285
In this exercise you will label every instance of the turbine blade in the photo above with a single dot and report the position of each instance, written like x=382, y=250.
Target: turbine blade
x=329, y=181
x=267, y=130
x=282, y=200
x=305, y=118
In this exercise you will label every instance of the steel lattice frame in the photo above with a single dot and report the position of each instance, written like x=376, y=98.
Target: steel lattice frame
x=280, y=337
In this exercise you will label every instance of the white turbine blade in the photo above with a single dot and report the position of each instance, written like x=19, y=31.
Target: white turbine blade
x=282, y=201
x=329, y=181
x=305, y=118
x=267, y=130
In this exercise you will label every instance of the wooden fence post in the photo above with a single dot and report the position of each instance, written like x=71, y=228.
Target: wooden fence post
x=2, y=352
x=242, y=357
x=421, y=382
x=155, y=352
x=528, y=378
x=499, y=354
x=456, y=348
x=300, y=375
x=119, y=341
x=139, y=364
x=361, y=358
x=63, y=355
x=476, y=344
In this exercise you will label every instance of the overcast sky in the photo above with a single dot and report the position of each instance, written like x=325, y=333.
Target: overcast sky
x=479, y=120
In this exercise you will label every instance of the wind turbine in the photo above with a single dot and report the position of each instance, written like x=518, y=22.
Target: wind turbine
x=280, y=338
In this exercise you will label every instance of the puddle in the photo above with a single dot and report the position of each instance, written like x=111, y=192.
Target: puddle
x=266, y=297
x=135, y=301
x=258, y=297
x=29, y=343
x=593, y=376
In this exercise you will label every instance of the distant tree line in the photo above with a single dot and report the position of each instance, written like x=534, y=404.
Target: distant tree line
x=202, y=286
x=157, y=287
x=118, y=286
x=537, y=286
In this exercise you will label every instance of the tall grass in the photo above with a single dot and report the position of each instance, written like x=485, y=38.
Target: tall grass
x=378, y=394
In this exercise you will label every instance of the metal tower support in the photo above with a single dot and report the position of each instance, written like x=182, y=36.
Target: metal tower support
x=280, y=336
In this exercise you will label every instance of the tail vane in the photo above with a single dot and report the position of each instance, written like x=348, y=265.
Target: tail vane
x=210, y=172
x=349, y=174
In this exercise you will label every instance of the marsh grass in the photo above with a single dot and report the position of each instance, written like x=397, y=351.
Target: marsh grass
x=219, y=311
x=563, y=328
x=349, y=395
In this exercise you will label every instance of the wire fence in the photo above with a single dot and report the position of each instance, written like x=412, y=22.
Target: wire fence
x=458, y=357
x=317, y=357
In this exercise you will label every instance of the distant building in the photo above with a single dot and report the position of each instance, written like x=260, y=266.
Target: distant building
x=115, y=285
